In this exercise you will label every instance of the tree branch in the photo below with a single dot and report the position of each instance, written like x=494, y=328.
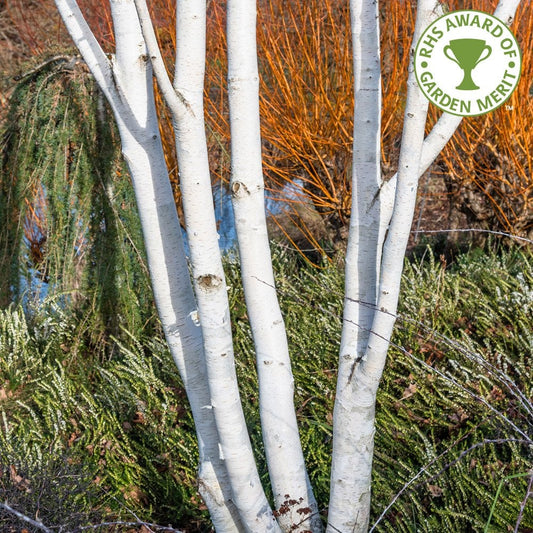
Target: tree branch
x=91, y=51
x=34, y=523
x=176, y=102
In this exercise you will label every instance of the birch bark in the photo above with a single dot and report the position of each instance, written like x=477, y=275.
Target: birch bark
x=209, y=279
x=285, y=460
x=360, y=366
x=127, y=83
x=361, y=269
x=362, y=266
x=186, y=103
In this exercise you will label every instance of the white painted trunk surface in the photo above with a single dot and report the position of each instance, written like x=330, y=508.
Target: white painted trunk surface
x=286, y=465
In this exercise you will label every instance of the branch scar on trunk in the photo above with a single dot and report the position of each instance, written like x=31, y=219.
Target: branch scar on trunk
x=209, y=281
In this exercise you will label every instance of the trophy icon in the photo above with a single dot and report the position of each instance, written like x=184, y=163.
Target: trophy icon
x=467, y=53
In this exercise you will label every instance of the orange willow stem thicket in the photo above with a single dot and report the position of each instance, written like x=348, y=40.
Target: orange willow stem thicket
x=307, y=105
x=488, y=163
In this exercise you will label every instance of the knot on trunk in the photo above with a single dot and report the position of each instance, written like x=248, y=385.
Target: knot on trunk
x=209, y=282
x=239, y=190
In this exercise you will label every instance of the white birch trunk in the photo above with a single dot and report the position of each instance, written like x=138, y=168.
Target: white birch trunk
x=358, y=382
x=127, y=83
x=186, y=103
x=209, y=279
x=285, y=460
x=361, y=268
x=363, y=256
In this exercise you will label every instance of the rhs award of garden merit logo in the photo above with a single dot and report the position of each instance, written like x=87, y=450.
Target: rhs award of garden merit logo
x=467, y=63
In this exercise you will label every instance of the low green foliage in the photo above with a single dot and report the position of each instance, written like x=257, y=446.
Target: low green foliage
x=453, y=418
x=456, y=398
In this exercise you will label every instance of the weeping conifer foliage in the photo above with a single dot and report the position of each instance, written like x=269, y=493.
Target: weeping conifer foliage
x=71, y=230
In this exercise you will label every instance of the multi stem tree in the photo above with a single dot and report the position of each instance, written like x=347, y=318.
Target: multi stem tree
x=193, y=304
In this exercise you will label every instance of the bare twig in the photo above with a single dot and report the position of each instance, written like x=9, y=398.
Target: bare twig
x=138, y=521
x=31, y=521
x=40, y=66
x=529, y=492
x=475, y=230
x=148, y=525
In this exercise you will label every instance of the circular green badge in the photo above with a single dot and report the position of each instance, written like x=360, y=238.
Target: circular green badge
x=467, y=63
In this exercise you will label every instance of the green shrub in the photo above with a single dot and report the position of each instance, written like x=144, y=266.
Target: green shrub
x=70, y=227
x=453, y=417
